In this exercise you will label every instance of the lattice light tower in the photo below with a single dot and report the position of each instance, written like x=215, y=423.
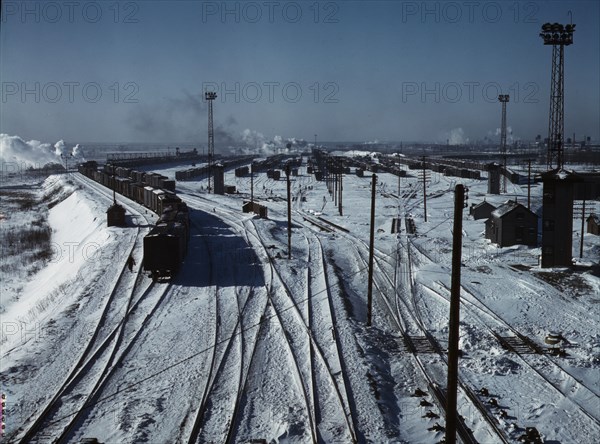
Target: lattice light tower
x=209, y=96
x=503, y=98
x=558, y=36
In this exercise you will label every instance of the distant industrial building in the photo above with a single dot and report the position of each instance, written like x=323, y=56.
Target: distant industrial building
x=593, y=224
x=482, y=210
x=512, y=224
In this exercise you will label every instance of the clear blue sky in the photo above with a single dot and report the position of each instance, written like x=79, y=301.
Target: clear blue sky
x=345, y=70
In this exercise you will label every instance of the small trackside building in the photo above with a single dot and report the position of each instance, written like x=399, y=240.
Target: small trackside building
x=512, y=224
x=482, y=210
x=593, y=224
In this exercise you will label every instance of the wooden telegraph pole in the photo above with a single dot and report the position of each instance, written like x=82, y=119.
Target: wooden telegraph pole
x=451, y=413
x=252, y=184
x=289, y=211
x=529, y=184
x=424, y=190
x=582, y=226
x=372, y=237
x=340, y=189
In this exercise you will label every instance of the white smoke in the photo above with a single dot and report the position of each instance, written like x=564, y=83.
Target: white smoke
x=33, y=153
x=77, y=152
x=257, y=143
x=456, y=136
x=59, y=148
x=510, y=138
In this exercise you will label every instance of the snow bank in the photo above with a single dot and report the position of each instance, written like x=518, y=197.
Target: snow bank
x=77, y=234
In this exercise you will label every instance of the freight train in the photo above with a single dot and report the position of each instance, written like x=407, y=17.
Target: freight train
x=165, y=246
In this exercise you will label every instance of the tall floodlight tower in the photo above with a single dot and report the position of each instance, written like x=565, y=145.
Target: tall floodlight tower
x=503, y=98
x=209, y=96
x=558, y=36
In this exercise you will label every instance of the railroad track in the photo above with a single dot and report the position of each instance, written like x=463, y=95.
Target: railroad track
x=541, y=364
x=98, y=346
x=277, y=313
x=525, y=349
x=402, y=316
x=475, y=303
x=297, y=327
x=465, y=386
x=115, y=359
x=222, y=389
x=325, y=315
x=333, y=366
x=287, y=316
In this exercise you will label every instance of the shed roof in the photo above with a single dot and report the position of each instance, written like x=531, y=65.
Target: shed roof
x=485, y=203
x=509, y=206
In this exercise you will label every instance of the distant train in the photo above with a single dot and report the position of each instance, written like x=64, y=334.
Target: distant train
x=165, y=246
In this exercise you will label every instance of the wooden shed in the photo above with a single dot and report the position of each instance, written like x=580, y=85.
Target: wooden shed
x=253, y=207
x=482, y=210
x=593, y=224
x=115, y=216
x=512, y=224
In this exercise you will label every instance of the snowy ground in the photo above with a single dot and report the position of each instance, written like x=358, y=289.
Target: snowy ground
x=245, y=344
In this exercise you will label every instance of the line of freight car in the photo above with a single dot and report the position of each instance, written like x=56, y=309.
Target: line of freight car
x=165, y=246
x=153, y=198
x=150, y=179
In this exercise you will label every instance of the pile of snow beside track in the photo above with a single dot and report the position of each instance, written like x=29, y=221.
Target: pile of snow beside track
x=45, y=327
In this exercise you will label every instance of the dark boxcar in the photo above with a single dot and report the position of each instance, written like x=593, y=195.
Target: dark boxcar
x=169, y=184
x=164, y=250
x=242, y=171
x=167, y=200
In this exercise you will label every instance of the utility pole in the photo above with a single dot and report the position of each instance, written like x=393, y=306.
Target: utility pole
x=327, y=172
x=372, y=241
x=451, y=391
x=210, y=96
x=289, y=211
x=340, y=189
x=331, y=179
x=582, y=225
x=503, y=98
x=335, y=181
x=529, y=184
x=424, y=190
x=371, y=245
x=252, y=183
